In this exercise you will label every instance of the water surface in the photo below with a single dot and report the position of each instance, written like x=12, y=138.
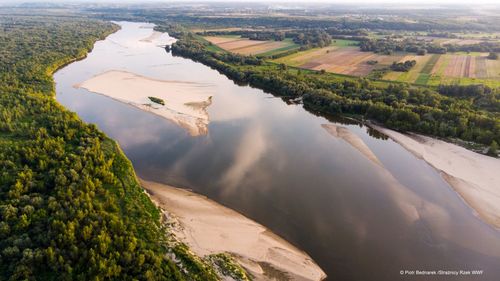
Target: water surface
x=274, y=163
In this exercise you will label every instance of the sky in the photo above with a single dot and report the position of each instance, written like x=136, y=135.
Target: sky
x=410, y=2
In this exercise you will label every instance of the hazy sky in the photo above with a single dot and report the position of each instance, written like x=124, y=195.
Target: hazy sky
x=284, y=1
x=400, y=2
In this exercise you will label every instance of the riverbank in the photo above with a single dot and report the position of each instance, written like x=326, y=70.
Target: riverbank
x=474, y=176
x=208, y=228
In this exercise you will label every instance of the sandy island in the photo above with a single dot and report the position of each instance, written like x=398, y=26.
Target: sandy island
x=154, y=36
x=474, y=176
x=185, y=102
x=208, y=228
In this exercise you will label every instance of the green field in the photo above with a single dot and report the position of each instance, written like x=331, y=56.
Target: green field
x=291, y=46
x=344, y=43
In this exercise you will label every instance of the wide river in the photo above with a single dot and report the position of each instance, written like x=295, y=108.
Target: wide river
x=276, y=164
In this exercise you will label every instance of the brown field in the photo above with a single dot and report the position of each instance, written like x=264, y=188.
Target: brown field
x=245, y=46
x=302, y=58
x=218, y=29
x=219, y=40
x=460, y=41
x=456, y=66
x=481, y=69
x=346, y=60
x=260, y=48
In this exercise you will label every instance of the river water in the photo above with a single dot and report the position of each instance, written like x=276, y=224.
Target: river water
x=276, y=164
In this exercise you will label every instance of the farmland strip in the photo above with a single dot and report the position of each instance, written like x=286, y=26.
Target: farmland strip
x=429, y=66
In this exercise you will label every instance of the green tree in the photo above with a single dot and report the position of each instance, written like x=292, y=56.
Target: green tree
x=493, y=149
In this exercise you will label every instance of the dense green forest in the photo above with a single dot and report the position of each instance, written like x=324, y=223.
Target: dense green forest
x=71, y=207
x=193, y=18
x=443, y=112
x=389, y=45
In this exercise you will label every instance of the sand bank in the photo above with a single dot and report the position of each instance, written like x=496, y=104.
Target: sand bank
x=154, y=36
x=412, y=207
x=474, y=176
x=353, y=139
x=425, y=215
x=185, y=102
x=208, y=228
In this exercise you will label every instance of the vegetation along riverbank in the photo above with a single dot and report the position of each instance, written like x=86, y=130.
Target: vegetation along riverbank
x=71, y=207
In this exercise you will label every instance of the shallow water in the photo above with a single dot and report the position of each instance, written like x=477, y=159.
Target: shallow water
x=274, y=163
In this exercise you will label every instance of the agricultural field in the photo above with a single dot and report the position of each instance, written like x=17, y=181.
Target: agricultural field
x=461, y=68
x=456, y=41
x=340, y=57
x=246, y=46
x=344, y=57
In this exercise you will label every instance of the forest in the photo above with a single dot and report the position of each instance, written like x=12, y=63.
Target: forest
x=403, y=66
x=71, y=207
x=389, y=45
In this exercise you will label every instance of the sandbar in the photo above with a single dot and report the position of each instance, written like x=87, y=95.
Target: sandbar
x=353, y=139
x=475, y=177
x=185, y=102
x=208, y=228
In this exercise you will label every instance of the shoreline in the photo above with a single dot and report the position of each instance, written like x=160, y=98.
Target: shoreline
x=207, y=227
x=474, y=177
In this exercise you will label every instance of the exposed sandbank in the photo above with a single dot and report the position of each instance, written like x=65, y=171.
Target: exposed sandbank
x=413, y=207
x=208, y=227
x=352, y=139
x=185, y=102
x=474, y=176
x=155, y=35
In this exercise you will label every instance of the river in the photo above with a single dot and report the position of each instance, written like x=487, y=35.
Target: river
x=276, y=164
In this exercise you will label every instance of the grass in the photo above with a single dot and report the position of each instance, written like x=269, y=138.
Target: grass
x=344, y=43
x=296, y=60
x=289, y=47
x=423, y=79
x=215, y=48
x=429, y=66
x=292, y=60
x=212, y=47
x=229, y=267
x=471, y=81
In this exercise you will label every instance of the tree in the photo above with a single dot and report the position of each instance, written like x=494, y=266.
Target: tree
x=422, y=52
x=493, y=149
x=493, y=56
